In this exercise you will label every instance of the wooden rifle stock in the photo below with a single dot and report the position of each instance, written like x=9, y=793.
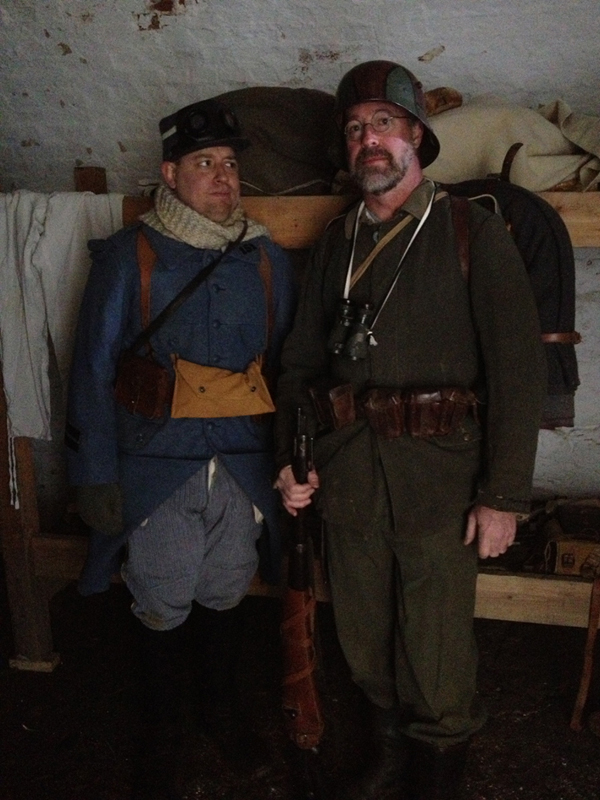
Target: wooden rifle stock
x=300, y=698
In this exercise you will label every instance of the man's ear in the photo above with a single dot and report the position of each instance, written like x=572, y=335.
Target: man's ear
x=417, y=133
x=169, y=173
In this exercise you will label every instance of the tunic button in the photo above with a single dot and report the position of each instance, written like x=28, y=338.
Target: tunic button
x=216, y=323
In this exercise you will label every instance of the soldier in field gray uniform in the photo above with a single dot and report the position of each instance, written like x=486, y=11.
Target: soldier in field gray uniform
x=425, y=410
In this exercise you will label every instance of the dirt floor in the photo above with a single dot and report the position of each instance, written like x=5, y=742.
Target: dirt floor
x=71, y=734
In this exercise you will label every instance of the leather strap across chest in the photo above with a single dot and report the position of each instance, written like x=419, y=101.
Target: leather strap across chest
x=460, y=220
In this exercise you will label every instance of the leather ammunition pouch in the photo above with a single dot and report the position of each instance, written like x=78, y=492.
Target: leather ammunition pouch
x=385, y=411
x=142, y=386
x=437, y=413
x=391, y=412
x=335, y=406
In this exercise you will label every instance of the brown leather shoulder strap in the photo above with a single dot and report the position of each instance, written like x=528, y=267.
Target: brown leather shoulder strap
x=265, y=270
x=567, y=337
x=508, y=161
x=146, y=258
x=460, y=219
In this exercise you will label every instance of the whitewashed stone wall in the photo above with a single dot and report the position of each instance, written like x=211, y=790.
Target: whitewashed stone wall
x=84, y=82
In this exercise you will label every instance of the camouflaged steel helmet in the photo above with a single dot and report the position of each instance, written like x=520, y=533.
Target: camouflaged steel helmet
x=208, y=123
x=385, y=80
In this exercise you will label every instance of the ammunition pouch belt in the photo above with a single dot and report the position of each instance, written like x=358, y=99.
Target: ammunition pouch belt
x=393, y=412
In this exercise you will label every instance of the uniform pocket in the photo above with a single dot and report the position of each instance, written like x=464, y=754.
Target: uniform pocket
x=134, y=432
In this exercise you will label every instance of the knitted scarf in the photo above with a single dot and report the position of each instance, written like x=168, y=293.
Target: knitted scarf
x=178, y=221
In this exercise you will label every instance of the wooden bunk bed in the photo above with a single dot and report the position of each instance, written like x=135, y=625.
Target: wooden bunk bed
x=38, y=563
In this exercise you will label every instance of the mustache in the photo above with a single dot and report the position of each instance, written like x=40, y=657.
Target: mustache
x=370, y=152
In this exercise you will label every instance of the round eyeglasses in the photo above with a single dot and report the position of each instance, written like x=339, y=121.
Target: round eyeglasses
x=381, y=122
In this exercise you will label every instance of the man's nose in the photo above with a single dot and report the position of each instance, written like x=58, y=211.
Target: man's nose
x=221, y=173
x=368, y=133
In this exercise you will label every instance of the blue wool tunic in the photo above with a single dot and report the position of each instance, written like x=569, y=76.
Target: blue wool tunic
x=223, y=324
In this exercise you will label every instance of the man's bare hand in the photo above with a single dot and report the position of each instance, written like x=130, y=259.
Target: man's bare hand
x=495, y=530
x=296, y=495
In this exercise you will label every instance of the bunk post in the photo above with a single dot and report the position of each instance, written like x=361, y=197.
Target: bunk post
x=28, y=602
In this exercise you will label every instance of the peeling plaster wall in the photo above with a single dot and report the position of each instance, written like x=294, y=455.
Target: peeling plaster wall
x=84, y=82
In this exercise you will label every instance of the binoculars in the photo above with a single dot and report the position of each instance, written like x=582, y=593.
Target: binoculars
x=350, y=334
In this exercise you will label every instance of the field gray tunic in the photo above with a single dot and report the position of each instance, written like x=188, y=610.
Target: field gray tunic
x=396, y=510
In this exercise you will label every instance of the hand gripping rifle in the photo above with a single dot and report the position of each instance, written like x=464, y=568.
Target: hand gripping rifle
x=301, y=705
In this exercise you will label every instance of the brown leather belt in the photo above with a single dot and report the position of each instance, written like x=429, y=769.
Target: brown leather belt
x=393, y=412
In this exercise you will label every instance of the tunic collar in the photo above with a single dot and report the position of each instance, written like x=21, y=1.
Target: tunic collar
x=416, y=205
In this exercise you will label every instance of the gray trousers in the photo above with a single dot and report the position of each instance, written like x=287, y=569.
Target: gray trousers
x=200, y=544
x=404, y=614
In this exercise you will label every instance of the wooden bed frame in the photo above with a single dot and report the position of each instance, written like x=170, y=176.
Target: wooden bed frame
x=40, y=563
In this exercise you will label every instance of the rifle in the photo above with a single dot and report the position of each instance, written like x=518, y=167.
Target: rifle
x=301, y=706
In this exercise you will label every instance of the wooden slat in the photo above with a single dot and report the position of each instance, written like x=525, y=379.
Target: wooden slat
x=296, y=222
x=90, y=179
x=29, y=613
x=544, y=599
x=56, y=556
x=133, y=207
x=580, y=212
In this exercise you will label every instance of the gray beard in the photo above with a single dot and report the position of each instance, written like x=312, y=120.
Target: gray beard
x=379, y=180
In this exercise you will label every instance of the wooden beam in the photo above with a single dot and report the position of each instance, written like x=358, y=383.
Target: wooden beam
x=297, y=222
x=134, y=206
x=90, y=179
x=19, y=525
x=580, y=212
x=59, y=556
x=544, y=599
x=294, y=222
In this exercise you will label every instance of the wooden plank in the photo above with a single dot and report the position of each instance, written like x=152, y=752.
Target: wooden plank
x=58, y=556
x=90, y=179
x=29, y=613
x=544, y=599
x=296, y=222
x=134, y=206
x=580, y=212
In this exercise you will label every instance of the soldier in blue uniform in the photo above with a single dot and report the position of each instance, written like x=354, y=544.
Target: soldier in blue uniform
x=189, y=491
